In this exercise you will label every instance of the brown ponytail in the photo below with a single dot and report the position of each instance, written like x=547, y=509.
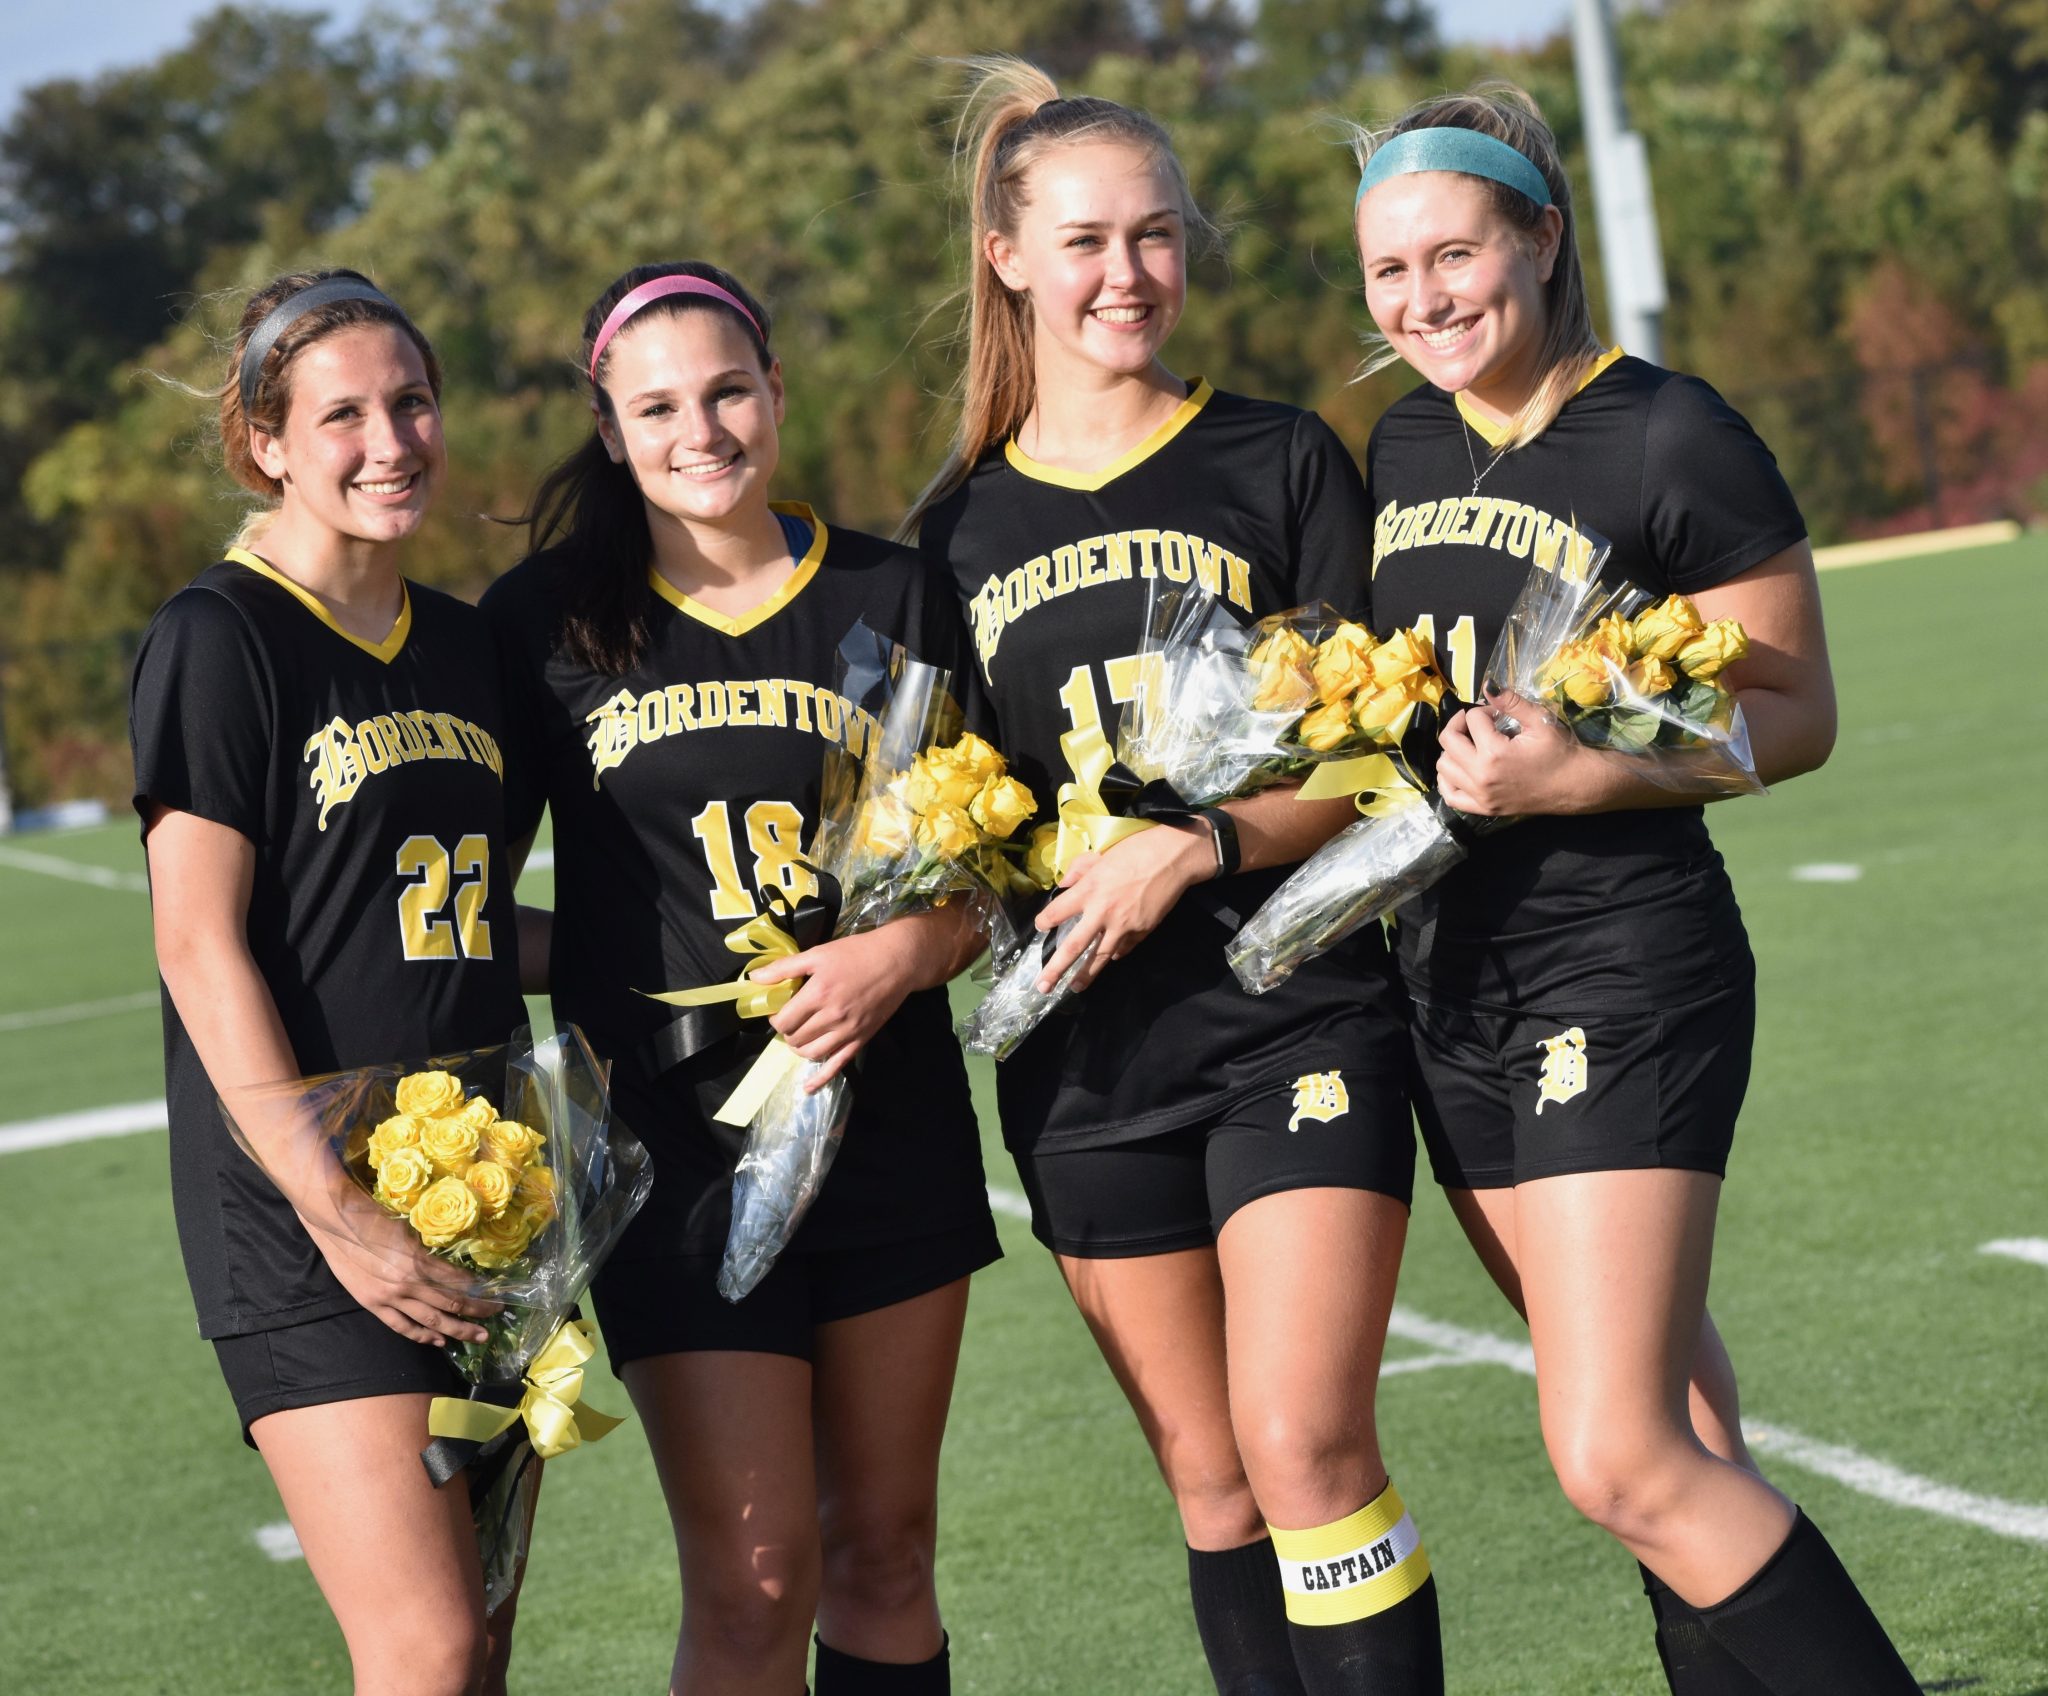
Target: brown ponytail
x=1014, y=114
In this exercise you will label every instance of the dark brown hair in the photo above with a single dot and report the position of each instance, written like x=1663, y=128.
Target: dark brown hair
x=590, y=509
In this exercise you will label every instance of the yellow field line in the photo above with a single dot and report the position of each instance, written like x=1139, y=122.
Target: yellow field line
x=1923, y=542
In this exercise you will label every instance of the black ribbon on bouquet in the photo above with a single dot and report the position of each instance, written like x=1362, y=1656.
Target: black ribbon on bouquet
x=788, y=927
x=444, y=1457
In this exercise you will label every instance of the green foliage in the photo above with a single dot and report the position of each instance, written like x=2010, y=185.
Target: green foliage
x=1847, y=188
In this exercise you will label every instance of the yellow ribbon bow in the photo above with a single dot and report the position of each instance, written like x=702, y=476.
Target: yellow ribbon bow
x=1378, y=784
x=1087, y=826
x=761, y=939
x=556, y=1418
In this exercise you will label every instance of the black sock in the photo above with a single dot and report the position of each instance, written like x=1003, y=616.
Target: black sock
x=1694, y=1664
x=1242, y=1619
x=1803, y=1627
x=1398, y=1651
x=841, y=1674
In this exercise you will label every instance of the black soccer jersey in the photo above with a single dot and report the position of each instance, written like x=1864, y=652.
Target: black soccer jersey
x=682, y=792
x=370, y=779
x=1258, y=504
x=1599, y=911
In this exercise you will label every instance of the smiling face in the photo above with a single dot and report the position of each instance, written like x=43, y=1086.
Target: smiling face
x=1101, y=250
x=1456, y=288
x=692, y=415
x=360, y=454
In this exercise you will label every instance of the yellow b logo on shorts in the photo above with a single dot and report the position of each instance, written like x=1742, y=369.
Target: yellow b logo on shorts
x=1564, y=1067
x=1319, y=1095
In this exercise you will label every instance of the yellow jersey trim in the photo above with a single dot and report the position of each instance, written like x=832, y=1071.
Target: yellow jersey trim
x=386, y=650
x=790, y=587
x=1183, y=415
x=1493, y=434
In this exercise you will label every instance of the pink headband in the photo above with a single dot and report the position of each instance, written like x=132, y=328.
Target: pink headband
x=647, y=293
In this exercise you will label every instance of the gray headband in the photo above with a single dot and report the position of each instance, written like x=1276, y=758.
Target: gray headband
x=286, y=313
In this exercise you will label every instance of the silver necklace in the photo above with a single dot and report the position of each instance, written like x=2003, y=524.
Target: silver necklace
x=1478, y=476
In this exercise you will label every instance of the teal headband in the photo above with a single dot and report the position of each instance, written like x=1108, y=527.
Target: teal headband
x=1446, y=149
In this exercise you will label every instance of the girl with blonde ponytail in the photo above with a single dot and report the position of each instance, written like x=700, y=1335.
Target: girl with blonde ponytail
x=1584, y=996
x=1204, y=1164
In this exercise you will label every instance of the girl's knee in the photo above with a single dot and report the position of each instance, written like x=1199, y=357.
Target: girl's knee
x=1311, y=1466
x=1627, y=1481
x=881, y=1569
x=423, y=1656
x=750, y=1604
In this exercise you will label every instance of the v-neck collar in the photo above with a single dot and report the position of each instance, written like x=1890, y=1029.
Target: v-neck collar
x=1183, y=415
x=385, y=651
x=788, y=590
x=1492, y=434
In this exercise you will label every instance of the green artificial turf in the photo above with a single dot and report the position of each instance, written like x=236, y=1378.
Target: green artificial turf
x=1894, y=1126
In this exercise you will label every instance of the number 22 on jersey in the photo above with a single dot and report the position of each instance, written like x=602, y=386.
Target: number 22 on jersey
x=423, y=931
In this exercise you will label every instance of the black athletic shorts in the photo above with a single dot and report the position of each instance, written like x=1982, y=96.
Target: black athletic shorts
x=341, y=1358
x=1507, y=1096
x=1323, y=1130
x=670, y=1304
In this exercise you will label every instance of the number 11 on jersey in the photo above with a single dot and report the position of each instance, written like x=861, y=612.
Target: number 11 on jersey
x=1463, y=643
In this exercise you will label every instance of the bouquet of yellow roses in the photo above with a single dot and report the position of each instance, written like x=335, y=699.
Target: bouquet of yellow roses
x=1222, y=709
x=505, y=1163
x=1621, y=669
x=922, y=816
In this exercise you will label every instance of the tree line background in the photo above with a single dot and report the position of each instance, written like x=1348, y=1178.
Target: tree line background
x=1851, y=195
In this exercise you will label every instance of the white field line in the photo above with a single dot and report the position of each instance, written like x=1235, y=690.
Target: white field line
x=279, y=1541
x=2034, y=1250
x=61, y=1128
x=39, y=1016
x=1827, y=871
x=1449, y=1345
x=100, y=877
x=540, y=860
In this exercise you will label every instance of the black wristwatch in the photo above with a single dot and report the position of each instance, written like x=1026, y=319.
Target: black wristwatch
x=1223, y=835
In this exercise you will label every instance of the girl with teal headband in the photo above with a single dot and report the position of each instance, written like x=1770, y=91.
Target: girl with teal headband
x=1582, y=992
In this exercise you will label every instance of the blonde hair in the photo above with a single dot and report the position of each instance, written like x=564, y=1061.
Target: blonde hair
x=1012, y=117
x=270, y=400
x=1570, y=348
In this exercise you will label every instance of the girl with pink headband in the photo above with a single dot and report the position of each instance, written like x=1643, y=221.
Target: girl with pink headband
x=671, y=644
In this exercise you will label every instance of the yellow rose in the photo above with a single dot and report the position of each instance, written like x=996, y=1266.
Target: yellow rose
x=1718, y=646
x=1650, y=677
x=945, y=777
x=1428, y=687
x=1281, y=679
x=1327, y=726
x=974, y=755
x=1613, y=635
x=1002, y=806
x=450, y=1143
x=1038, y=858
x=1579, y=675
x=447, y=1210
x=476, y=1111
x=1377, y=713
x=401, y=1130
x=493, y=1184
x=947, y=832
x=1342, y=665
x=427, y=1093
x=403, y=1178
x=887, y=828
x=535, y=1196
x=1401, y=655
x=510, y=1143
x=1659, y=633
x=499, y=1242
